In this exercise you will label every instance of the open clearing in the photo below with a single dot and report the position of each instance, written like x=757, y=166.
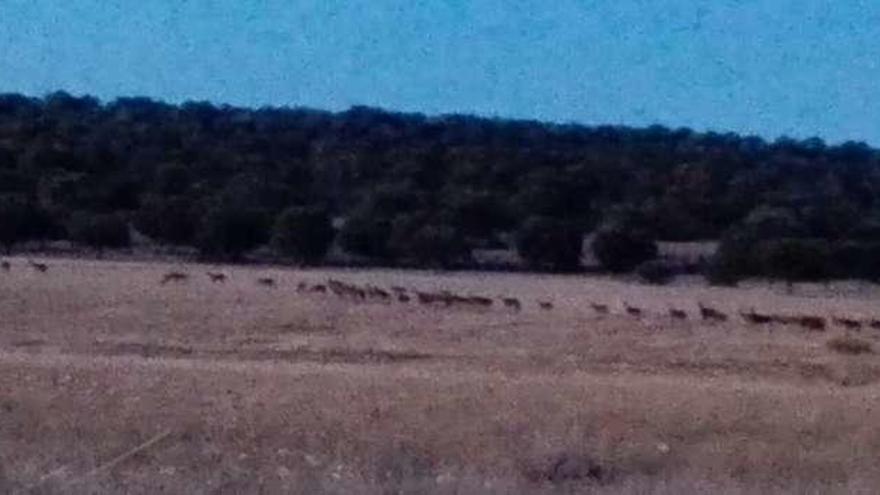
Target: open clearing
x=113, y=382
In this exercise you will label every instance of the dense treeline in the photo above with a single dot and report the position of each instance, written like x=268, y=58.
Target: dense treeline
x=425, y=191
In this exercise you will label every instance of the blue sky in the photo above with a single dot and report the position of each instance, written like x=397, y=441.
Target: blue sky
x=769, y=67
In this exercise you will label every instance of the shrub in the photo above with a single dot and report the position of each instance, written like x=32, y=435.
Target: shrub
x=849, y=345
x=796, y=259
x=655, y=272
x=22, y=220
x=304, y=233
x=425, y=242
x=721, y=271
x=856, y=260
x=227, y=232
x=171, y=219
x=549, y=243
x=621, y=250
x=99, y=231
x=366, y=235
x=12, y=221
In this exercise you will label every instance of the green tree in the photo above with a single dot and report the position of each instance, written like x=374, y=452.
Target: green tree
x=416, y=238
x=620, y=250
x=227, y=232
x=548, y=243
x=366, y=235
x=172, y=220
x=99, y=231
x=22, y=220
x=13, y=217
x=795, y=260
x=304, y=233
x=655, y=272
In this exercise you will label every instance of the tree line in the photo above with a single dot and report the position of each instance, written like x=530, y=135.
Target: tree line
x=414, y=190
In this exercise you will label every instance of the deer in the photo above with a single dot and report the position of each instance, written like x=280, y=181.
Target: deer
x=217, y=277
x=632, y=310
x=784, y=319
x=174, y=277
x=267, y=281
x=756, y=318
x=848, y=323
x=377, y=292
x=40, y=267
x=602, y=309
x=424, y=297
x=512, y=302
x=812, y=322
x=678, y=314
x=708, y=313
x=482, y=301
x=545, y=305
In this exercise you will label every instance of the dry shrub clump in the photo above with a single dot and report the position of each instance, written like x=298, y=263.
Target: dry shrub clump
x=849, y=345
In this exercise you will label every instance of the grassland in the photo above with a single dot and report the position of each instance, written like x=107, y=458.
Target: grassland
x=112, y=382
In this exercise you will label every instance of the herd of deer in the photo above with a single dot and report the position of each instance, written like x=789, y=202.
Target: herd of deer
x=371, y=292
x=752, y=317
x=40, y=267
x=447, y=299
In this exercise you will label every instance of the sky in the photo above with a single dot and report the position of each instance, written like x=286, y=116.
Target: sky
x=799, y=68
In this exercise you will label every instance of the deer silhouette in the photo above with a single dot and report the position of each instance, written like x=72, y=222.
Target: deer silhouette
x=712, y=314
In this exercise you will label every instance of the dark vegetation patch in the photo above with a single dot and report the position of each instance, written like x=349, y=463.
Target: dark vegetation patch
x=370, y=186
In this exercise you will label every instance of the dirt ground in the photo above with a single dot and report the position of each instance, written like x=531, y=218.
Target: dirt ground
x=113, y=382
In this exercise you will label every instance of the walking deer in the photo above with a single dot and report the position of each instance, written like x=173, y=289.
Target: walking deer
x=713, y=314
x=512, y=302
x=632, y=310
x=678, y=314
x=173, y=277
x=40, y=267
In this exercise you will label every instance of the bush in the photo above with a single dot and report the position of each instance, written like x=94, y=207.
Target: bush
x=655, y=272
x=548, y=243
x=12, y=221
x=428, y=243
x=621, y=250
x=173, y=220
x=22, y=220
x=99, y=231
x=796, y=259
x=366, y=235
x=721, y=271
x=856, y=260
x=849, y=345
x=227, y=232
x=305, y=233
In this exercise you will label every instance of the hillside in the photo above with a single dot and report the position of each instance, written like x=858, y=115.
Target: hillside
x=418, y=190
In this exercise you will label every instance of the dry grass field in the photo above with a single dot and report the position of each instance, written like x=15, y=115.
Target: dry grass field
x=112, y=382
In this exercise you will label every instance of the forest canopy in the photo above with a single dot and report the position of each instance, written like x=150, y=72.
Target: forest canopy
x=405, y=188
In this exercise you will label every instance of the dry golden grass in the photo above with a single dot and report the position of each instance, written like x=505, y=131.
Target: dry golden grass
x=263, y=389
